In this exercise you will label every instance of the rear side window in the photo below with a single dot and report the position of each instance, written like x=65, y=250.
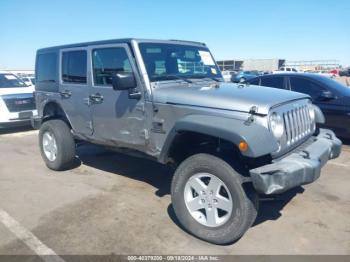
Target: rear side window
x=275, y=81
x=306, y=86
x=74, y=65
x=108, y=62
x=254, y=81
x=46, y=67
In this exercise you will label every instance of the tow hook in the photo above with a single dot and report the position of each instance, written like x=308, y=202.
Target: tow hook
x=329, y=136
x=307, y=154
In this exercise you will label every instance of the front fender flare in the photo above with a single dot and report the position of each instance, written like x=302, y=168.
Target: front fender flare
x=260, y=140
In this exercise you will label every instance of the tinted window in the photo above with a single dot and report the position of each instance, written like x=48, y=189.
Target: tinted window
x=10, y=80
x=46, y=67
x=306, y=86
x=254, y=81
x=74, y=67
x=108, y=62
x=335, y=86
x=272, y=81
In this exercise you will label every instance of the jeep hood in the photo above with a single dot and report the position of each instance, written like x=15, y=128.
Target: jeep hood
x=227, y=96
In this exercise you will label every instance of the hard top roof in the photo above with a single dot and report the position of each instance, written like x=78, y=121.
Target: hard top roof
x=117, y=41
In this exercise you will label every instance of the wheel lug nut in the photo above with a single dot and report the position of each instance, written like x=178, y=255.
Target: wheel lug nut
x=215, y=200
x=203, y=201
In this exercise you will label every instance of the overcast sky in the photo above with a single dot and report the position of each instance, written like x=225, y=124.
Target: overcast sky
x=292, y=30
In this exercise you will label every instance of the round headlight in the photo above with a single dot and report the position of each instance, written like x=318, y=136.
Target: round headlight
x=276, y=125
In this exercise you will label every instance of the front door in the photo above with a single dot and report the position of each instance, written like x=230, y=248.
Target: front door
x=74, y=89
x=117, y=118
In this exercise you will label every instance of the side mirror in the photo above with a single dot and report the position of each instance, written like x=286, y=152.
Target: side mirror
x=123, y=81
x=326, y=95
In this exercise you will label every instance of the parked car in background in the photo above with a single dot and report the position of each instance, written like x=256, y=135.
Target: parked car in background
x=243, y=76
x=30, y=81
x=227, y=75
x=332, y=97
x=324, y=73
x=17, y=104
x=344, y=72
x=334, y=72
x=284, y=69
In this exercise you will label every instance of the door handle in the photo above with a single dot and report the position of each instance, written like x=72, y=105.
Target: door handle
x=96, y=98
x=66, y=94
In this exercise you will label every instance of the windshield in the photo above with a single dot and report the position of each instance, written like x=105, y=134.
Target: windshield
x=335, y=85
x=10, y=81
x=175, y=61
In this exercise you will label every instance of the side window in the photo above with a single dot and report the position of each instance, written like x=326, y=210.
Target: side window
x=306, y=86
x=276, y=82
x=107, y=62
x=46, y=67
x=74, y=67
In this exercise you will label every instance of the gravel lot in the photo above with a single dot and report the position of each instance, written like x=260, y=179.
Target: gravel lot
x=112, y=203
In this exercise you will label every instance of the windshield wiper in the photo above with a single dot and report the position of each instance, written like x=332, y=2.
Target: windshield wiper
x=172, y=77
x=208, y=77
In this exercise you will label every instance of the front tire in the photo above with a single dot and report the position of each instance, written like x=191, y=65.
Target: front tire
x=57, y=145
x=209, y=200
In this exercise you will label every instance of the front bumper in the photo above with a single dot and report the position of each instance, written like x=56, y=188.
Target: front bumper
x=17, y=123
x=301, y=167
x=15, y=119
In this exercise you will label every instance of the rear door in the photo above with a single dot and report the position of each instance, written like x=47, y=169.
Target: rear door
x=74, y=89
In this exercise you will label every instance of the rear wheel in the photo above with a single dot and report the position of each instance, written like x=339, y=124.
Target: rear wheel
x=209, y=200
x=57, y=145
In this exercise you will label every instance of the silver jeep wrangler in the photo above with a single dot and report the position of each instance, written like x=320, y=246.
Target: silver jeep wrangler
x=166, y=100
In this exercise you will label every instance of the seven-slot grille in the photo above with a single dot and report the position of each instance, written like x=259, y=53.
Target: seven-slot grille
x=298, y=124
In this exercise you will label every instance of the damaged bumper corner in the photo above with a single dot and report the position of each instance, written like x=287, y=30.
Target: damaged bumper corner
x=298, y=168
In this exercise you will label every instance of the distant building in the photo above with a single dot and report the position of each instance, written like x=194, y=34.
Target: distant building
x=230, y=65
x=251, y=64
x=305, y=65
x=20, y=72
x=263, y=64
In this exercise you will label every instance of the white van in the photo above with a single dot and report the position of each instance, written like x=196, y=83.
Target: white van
x=17, y=104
